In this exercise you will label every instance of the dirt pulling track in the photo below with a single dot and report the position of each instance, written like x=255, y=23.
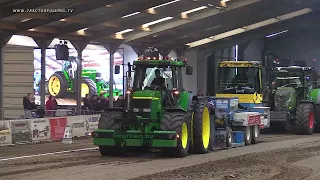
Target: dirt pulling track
x=278, y=157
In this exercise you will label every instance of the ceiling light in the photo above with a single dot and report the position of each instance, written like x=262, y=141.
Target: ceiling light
x=249, y=27
x=161, y=5
x=156, y=22
x=83, y=29
x=211, y=5
x=275, y=34
x=224, y=1
x=63, y=20
x=31, y=30
x=124, y=31
x=132, y=14
x=194, y=10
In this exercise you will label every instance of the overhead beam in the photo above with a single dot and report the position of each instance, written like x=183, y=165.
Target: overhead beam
x=76, y=9
x=296, y=24
x=131, y=8
x=194, y=35
x=165, y=27
x=137, y=23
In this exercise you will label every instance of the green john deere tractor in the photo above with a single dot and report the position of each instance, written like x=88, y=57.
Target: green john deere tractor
x=62, y=83
x=295, y=99
x=165, y=117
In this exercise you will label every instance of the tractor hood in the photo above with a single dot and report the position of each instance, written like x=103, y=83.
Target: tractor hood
x=147, y=94
x=285, y=98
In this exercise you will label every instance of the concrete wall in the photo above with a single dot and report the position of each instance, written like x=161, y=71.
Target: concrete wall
x=18, y=78
x=304, y=46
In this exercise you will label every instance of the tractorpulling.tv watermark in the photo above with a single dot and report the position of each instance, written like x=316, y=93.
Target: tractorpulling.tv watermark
x=42, y=10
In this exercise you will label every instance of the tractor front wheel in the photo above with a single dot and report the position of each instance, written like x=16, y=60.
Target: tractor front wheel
x=108, y=121
x=305, y=118
x=58, y=85
x=179, y=122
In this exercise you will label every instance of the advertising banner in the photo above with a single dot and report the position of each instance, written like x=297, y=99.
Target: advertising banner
x=5, y=133
x=57, y=127
x=77, y=125
x=91, y=123
x=20, y=131
x=40, y=129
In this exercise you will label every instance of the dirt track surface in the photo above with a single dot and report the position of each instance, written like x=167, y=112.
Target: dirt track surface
x=278, y=157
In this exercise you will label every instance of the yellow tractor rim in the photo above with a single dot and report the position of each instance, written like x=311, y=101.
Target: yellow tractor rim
x=205, y=127
x=84, y=90
x=54, y=85
x=184, y=135
x=192, y=139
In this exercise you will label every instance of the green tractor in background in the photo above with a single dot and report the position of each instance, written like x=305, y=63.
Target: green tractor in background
x=165, y=117
x=62, y=83
x=295, y=99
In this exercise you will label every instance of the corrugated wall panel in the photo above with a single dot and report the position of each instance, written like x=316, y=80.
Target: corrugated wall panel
x=18, y=78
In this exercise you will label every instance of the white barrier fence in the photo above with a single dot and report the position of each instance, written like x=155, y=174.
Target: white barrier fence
x=45, y=129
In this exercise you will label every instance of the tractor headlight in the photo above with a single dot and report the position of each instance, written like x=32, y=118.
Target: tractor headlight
x=146, y=110
x=135, y=110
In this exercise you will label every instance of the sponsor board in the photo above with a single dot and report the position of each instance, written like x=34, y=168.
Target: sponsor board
x=40, y=129
x=20, y=131
x=91, y=123
x=77, y=124
x=57, y=127
x=5, y=133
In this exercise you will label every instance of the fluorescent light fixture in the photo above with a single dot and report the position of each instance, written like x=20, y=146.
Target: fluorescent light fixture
x=194, y=10
x=132, y=14
x=275, y=34
x=124, y=31
x=161, y=5
x=156, y=22
x=83, y=29
x=249, y=27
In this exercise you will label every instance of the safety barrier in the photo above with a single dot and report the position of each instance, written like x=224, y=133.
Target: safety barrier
x=45, y=129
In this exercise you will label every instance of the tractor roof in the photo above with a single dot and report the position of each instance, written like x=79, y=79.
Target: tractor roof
x=295, y=68
x=160, y=62
x=240, y=64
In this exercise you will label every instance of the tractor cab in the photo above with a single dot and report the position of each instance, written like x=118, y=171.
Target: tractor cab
x=159, y=79
x=242, y=79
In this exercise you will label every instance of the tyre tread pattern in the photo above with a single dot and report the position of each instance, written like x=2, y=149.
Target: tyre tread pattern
x=302, y=118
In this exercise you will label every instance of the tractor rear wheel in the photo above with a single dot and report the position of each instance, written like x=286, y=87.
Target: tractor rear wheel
x=247, y=135
x=58, y=85
x=179, y=122
x=109, y=120
x=255, y=134
x=305, y=118
x=203, y=133
x=88, y=86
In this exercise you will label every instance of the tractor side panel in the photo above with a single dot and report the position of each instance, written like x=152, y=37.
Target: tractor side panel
x=70, y=84
x=184, y=101
x=315, y=96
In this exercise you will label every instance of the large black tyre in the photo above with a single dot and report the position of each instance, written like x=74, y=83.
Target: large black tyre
x=305, y=118
x=255, y=134
x=108, y=120
x=88, y=86
x=202, y=130
x=179, y=122
x=58, y=85
x=247, y=135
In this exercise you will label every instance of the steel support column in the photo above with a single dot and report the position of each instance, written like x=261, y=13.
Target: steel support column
x=79, y=46
x=43, y=44
x=112, y=48
x=3, y=41
x=181, y=51
x=164, y=51
x=139, y=50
